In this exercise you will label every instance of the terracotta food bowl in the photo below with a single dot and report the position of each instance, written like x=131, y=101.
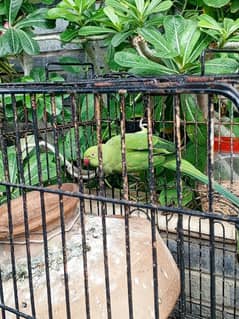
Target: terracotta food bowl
x=33, y=208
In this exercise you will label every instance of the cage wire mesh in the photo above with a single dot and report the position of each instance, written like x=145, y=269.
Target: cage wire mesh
x=81, y=229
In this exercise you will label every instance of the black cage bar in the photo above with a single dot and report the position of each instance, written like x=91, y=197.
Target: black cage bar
x=81, y=235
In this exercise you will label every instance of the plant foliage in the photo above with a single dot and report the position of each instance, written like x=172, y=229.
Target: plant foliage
x=18, y=18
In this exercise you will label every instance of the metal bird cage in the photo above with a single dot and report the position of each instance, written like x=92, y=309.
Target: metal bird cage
x=79, y=243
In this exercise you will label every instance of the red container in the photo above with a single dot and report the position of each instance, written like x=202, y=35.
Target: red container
x=226, y=144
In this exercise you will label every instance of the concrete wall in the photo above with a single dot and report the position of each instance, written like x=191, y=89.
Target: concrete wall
x=198, y=277
x=51, y=49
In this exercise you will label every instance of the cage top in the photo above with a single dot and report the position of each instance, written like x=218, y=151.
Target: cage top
x=164, y=85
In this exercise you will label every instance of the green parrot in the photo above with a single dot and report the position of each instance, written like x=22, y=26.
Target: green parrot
x=137, y=159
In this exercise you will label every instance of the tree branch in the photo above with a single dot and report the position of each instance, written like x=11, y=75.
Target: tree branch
x=143, y=50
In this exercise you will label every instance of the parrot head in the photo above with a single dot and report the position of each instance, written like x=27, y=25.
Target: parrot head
x=91, y=156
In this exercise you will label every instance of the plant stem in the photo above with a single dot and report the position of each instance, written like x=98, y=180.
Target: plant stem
x=184, y=6
x=88, y=48
x=26, y=63
x=96, y=56
x=142, y=48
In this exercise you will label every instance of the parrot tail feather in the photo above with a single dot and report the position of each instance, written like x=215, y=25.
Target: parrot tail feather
x=191, y=171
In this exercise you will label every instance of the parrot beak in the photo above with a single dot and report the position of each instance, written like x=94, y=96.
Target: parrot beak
x=86, y=161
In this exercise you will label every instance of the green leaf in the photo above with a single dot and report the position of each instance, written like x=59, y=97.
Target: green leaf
x=55, y=13
x=234, y=38
x=235, y=128
x=13, y=7
x=54, y=77
x=4, y=46
x=47, y=102
x=87, y=31
x=38, y=74
x=155, y=38
x=234, y=6
x=170, y=63
x=174, y=27
x=119, y=6
x=71, y=68
x=196, y=155
x=169, y=197
x=35, y=19
x=49, y=2
x=110, y=58
x=86, y=135
x=201, y=45
x=216, y=3
x=48, y=169
x=192, y=114
x=154, y=21
x=140, y=5
x=28, y=44
x=221, y=66
x=189, y=40
x=69, y=34
x=11, y=36
x=140, y=65
x=27, y=145
x=3, y=9
x=12, y=164
x=120, y=37
x=157, y=6
x=213, y=34
x=41, y=107
x=62, y=13
x=42, y=1
x=151, y=8
x=88, y=108
x=26, y=79
x=230, y=26
x=82, y=5
x=205, y=21
x=110, y=13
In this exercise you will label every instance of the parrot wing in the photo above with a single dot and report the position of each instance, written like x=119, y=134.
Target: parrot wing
x=138, y=161
x=139, y=142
